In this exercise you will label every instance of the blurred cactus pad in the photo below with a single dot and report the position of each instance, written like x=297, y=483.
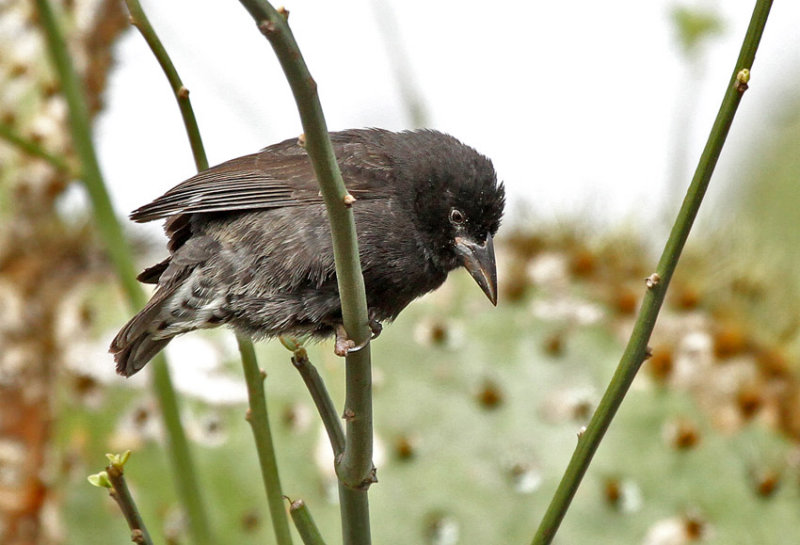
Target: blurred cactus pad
x=477, y=410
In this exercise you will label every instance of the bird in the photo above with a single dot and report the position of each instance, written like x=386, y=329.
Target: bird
x=250, y=244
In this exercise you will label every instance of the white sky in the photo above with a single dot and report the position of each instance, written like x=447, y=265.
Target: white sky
x=576, y=102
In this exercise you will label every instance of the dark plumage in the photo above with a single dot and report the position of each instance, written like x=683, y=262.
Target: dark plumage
x=250, y=243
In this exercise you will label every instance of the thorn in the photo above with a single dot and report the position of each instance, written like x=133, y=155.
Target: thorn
x=263, y=374
x=183, y=92
x=284, y=12
x=648, y=353
x=581, y=431
x=348, y=415
x=652, y=281
x=248, y=415
x=137, y=536
x=296, y=504
x=301, y=140
x=349, y=200
x=371, y=478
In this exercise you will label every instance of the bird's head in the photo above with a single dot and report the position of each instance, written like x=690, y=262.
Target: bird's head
x=458, y=206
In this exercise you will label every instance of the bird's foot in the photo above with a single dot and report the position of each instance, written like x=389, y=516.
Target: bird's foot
x=345, y=345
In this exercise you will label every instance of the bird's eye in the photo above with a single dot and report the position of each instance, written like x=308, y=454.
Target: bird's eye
x=457, y=216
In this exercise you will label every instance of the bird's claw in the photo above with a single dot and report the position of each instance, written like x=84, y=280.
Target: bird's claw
x=376, y=328
x=345, y=345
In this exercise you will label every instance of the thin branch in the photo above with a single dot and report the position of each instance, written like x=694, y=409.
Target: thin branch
x=31, y=147
x=636, y=351
x=305, y=524
x=120, y=254
x=257, y=414
x=354, y=468
x=142, y=23
x=322, y=400
x=259, y=422
x=122, y=495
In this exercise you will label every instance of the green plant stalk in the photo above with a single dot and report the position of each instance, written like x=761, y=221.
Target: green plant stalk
x=322, y=400
x=354, y=505
x=354, y=467
x=140, y=21
x=356, y=464
x=320, y=151
x=258, y=418
x=122, y=495
x=257, y=415
x=305, y=524
x=636, y=351
x=116, y=244
x=119, y=252
x=33, y=148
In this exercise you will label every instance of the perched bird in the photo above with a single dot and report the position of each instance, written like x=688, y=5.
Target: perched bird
x=250, y=243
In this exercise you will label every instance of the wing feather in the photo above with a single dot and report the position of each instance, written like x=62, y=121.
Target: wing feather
x=276, y=177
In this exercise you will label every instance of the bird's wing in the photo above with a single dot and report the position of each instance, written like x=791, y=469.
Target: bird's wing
x=277, y=176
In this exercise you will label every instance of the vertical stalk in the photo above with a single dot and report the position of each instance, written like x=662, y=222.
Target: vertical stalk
x=354, y=468
x=258, y=418
x=636, y=350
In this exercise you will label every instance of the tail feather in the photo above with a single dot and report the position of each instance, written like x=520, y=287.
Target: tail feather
x=184, y=301
x=135, y=355
x=141, y=339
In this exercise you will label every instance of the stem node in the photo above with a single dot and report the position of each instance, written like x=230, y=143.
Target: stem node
x=267, y=27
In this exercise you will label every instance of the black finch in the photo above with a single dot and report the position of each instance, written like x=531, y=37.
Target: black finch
x=250, y=245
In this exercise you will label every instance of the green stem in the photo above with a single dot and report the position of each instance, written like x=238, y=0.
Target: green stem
x=354, y=505
x=33, y=148
x=120, y=254
x=80, y=126
x=257, y=416
x=140, y=21
x=259, y=422
x=305, y=524
x=122, y=495
x=322, y=400
x=354, y=468
x=636, y=350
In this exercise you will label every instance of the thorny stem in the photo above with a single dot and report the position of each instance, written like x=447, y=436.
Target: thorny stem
x=354, y=468
x=120, y=254
x=636, y=350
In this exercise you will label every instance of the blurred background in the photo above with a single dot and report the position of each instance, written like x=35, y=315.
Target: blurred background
x=594, y=115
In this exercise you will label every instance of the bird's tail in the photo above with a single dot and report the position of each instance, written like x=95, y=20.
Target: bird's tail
x=143, y=337
x=133, y=356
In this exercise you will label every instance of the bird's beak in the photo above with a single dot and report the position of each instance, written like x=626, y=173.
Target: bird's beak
x=479, y=261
